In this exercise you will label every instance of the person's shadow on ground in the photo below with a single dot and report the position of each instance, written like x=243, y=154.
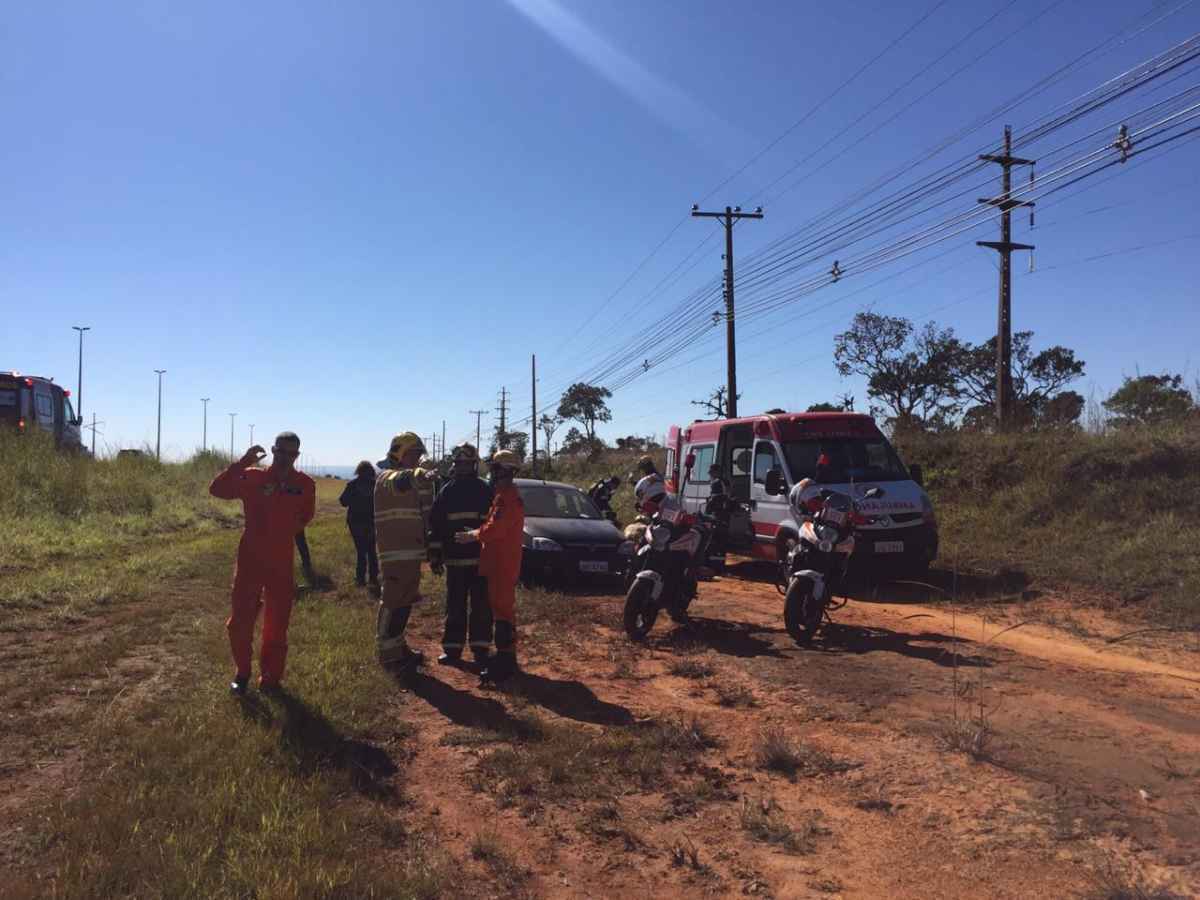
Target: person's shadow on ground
x=569, y=699
x=311, y=743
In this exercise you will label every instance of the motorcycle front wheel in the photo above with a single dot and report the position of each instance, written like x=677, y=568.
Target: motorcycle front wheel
x=640, y=611
x=802, y=613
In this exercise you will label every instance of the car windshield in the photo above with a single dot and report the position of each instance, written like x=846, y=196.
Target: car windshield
x=849, y=459
x=546, y=502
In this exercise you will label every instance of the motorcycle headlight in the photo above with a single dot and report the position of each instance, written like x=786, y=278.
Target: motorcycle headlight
x=626, y=548
x=543, y=543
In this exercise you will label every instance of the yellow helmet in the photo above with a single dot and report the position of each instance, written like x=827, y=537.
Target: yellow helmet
x=507, y=458
x=466, y=453
x=403, y=443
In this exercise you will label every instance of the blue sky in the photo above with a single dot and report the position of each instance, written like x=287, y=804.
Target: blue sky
x=353, y=219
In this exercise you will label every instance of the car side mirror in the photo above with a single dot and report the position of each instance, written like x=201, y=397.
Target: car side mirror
x=776, y=485
x=917, y=474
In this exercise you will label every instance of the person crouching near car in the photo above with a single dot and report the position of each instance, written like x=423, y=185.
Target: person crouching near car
x=358, y=496
x=462, y=505
x=500, y=538
x=278, y=502
x=403, y=497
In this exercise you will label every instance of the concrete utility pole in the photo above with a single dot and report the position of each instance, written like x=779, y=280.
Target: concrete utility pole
x=728, y=218
x=158, y=441
x=503, y=410
x=478, y=414
x=1005, y=247
x=533, y=412
x=443, y=449
x=232, y=416
x=79, y=384
x=204, y=443
x=251, y=435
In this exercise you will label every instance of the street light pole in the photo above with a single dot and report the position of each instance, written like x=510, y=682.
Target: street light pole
x=79, y=384
x=251, y=435
x=232, y=416
x=204, y=444
x=158, y=440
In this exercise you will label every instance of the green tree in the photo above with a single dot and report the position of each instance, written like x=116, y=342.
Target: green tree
x=510, y=440
x=585, y=404
x=912, y=374
x=576, y=442
x=824, y=407
x=1150, y=399
x=1037, y=380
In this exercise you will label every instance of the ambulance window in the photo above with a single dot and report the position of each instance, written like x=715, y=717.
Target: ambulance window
x=8, y=397
x=704, y=459
x=764, y=461
x=68, y=412
x=45, y=408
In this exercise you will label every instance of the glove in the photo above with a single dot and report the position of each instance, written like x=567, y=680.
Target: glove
x=436, y=566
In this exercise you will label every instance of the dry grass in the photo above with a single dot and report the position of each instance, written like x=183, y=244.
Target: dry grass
x=732, y=694
x=777, y=752
x=691, y=668
x=1113, y=880
x=503, y=866
x=763, y=820
x=575, y=762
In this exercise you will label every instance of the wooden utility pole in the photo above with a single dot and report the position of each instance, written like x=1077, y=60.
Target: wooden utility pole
x=478, y=414
x=728, y=217
x=503, y=410
x=1005, y=247
x=533, y=412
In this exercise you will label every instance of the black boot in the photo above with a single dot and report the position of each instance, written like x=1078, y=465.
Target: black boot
x=500, y=668
x=450, y=658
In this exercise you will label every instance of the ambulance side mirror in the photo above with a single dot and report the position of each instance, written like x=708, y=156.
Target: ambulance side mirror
x=776, y=484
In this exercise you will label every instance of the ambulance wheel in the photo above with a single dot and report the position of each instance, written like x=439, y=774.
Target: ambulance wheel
x=802, y=613
x=640, y=611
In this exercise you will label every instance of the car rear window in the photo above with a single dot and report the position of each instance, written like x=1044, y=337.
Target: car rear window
x=558, y=503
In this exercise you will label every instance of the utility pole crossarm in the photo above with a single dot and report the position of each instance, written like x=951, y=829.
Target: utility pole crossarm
x=728, y=217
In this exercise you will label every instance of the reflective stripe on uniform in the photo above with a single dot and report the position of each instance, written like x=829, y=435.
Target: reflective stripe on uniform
x=402, y=555
x=464, y=563
x=385, y=515
x=462, y=516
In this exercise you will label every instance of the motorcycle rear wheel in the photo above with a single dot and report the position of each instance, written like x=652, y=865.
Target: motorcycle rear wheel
x=802, y=613
x=640, y=611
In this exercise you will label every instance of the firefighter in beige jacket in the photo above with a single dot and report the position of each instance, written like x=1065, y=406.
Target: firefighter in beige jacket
x=403, y=498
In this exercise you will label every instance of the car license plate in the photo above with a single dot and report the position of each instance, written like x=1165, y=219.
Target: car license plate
x=586, y=565
x=889, y=546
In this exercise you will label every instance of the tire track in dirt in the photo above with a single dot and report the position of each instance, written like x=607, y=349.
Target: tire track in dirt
x=908, y=818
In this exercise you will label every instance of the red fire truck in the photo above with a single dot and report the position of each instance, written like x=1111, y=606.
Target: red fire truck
x=854, y=456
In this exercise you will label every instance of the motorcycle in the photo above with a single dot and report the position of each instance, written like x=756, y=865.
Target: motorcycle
x=663, y=574
x=813, y=569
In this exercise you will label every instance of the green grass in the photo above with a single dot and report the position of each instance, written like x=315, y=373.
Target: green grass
x=1116, y=512
x=78, y=532
x=191, y=793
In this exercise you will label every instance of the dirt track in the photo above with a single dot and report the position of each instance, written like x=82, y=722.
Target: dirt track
x=1091, y=757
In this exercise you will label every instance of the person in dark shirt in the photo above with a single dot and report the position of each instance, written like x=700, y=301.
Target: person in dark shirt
x=462, y=505
x=358, y=496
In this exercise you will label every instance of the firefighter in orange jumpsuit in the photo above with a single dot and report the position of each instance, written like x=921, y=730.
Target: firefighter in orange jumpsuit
x=500, y=561
x=403, y=499
x=278, y=502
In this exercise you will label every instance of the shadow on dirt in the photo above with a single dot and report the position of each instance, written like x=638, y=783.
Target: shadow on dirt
x=570, y=699
x=463, y=708
x=937, y=585
x=312, y=743
x=731, y=638
x=933, y=647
